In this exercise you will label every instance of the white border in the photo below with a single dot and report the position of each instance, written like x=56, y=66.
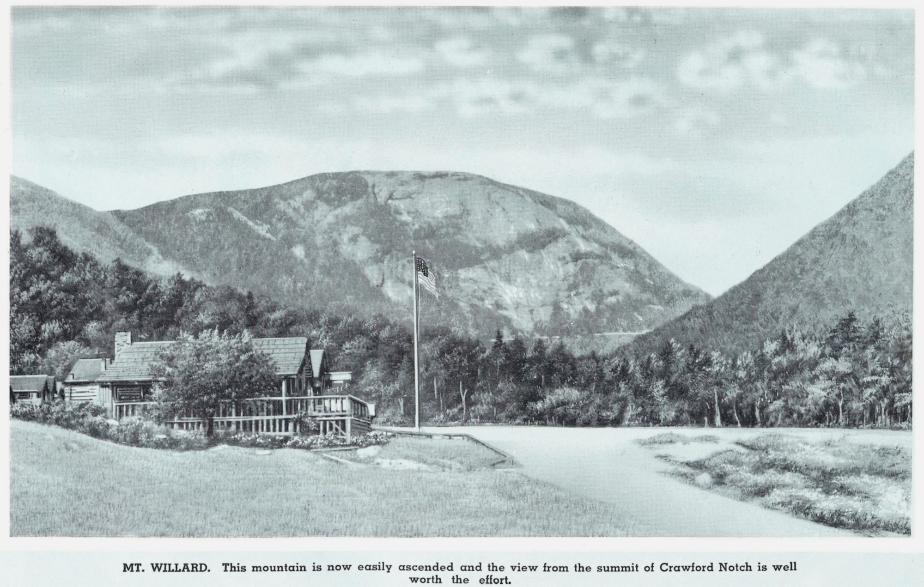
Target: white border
x=461, y=546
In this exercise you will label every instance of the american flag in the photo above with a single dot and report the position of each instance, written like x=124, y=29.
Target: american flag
x=424, y=276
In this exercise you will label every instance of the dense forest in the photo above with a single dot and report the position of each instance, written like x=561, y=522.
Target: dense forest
x=66, y=305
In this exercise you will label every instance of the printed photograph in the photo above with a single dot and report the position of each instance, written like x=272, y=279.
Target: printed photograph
x=460, y=272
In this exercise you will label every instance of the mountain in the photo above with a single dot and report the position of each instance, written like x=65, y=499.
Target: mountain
x=860, y=259
x=504, y=257
x=81, y=227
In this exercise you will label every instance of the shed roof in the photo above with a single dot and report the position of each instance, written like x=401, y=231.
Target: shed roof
x=32, y=382
x=85, y=370
x=135, y=362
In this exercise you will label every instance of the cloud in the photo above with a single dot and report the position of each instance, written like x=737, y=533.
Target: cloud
x=549, y=53
x=728, y=64
x=821, y=63
x=291, y=65
x=252, y=58
x=364, y=64
x=462, y=52
x=615, y=54
x=604, y=98
x=520, y=16
x=474, y=97
x=745, y=60
x=643, y=16
x=612, y=98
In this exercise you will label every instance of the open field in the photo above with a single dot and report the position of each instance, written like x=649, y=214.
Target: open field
x=860, y=486
x=68, y=484
x=609, y=464
x=569, y=482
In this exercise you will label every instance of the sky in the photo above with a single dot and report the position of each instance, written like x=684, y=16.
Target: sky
x=714, y=138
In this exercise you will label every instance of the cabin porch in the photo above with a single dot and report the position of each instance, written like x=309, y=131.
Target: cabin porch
x=345, y=415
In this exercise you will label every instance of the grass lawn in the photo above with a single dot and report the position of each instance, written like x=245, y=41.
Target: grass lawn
x=67, y=484
x=857, y=486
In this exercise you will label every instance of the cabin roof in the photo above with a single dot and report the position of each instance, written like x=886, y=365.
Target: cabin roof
x=31, y=382
x=288, y=353
x=85, y=370
x=135, y=361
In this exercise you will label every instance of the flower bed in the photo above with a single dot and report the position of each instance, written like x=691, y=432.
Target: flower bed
x=303, y=442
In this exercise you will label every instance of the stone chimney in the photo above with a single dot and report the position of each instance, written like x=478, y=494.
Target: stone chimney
x=123, y=340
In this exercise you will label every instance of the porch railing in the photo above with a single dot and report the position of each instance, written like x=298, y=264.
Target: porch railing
x=126, y=409
x=270, y=415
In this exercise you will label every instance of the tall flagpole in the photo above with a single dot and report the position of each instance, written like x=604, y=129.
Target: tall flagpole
x=416, y=356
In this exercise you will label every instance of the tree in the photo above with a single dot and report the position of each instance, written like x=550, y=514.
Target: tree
x=199, y=372
x=459, y=358
x=61, y=357
x=497, y=349
x=515, y=359
x=845, y=334
x=537, y=363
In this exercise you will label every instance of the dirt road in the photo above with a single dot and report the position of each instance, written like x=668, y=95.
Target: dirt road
x=608, y=465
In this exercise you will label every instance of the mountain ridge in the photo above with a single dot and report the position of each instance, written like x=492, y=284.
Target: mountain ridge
x=81, y=227
x=859, y=259
x=504, y=256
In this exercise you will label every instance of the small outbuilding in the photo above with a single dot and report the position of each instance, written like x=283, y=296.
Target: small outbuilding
x=32, y=388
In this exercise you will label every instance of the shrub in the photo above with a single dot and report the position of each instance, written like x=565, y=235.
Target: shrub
x=839, y=483
x=561, y=406
x=141, y=431
x=60, y=413
x=664, y=438
x=96, y=426
x=136, y=431
x=25, y=411
x=772, y=441
x=307, y=425
x=90, y=419
x=706, y=438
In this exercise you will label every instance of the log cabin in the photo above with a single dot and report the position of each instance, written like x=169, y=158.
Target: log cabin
x=306, y=389
x=81, y=384
x=34, y=389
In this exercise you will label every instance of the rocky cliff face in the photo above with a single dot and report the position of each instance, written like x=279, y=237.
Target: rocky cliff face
x=503, y=256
